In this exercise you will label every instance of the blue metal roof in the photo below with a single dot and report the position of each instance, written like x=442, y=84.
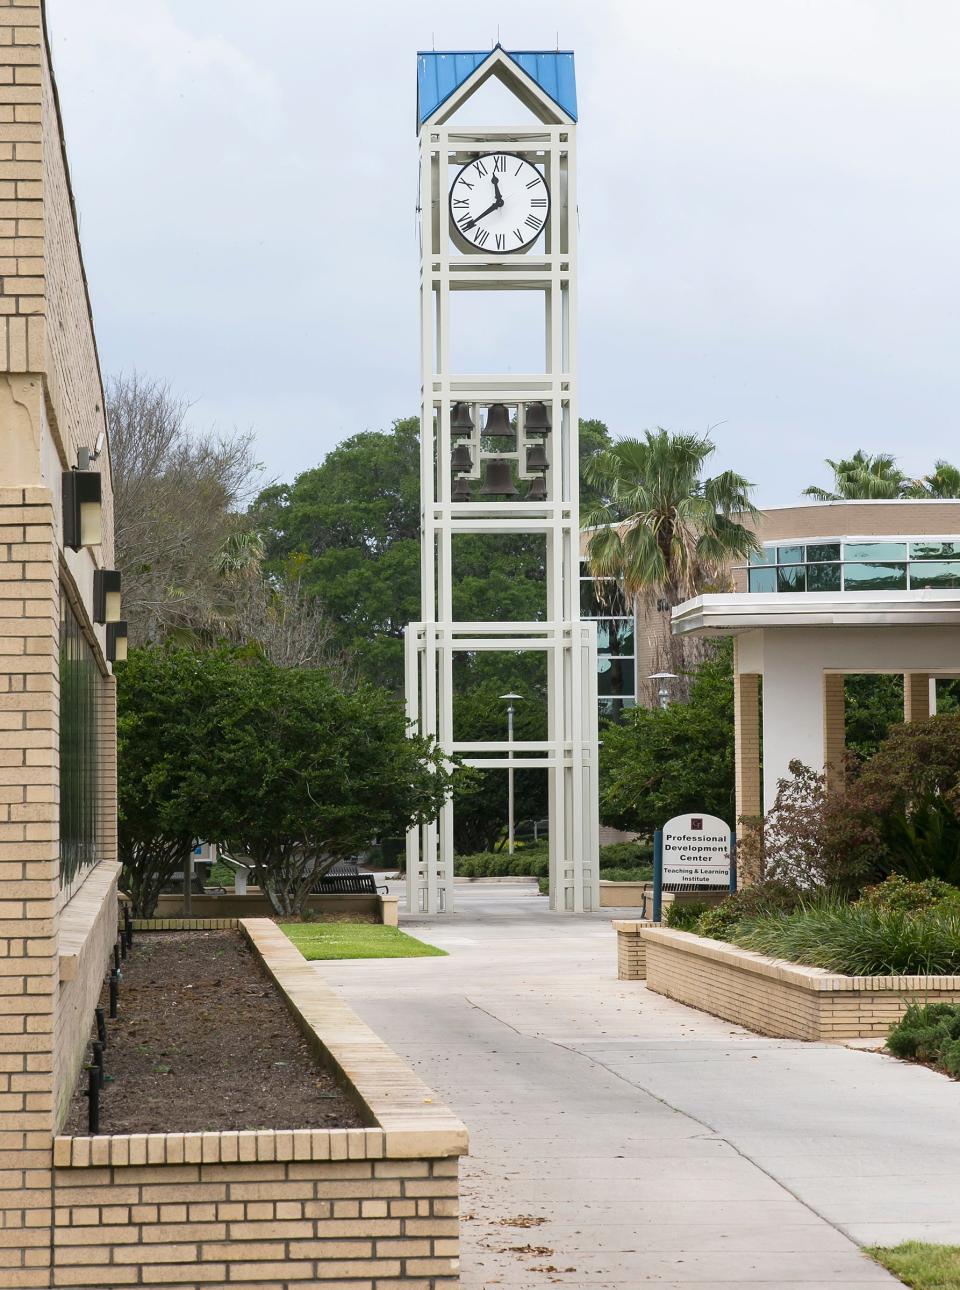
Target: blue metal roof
x=440, y=74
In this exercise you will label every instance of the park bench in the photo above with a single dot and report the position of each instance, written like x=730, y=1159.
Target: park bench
x=348, y=884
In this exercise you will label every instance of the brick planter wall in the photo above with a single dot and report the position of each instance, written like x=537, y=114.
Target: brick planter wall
x=777, y=998
x=351, y=1208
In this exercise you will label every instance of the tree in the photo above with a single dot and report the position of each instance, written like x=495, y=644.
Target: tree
x=666, y=533
x=864, y=475
x=480, y=801
x=162, y=701
x=943, y=482
x=876, y=476
x=666, y=530
x=658, y=764
x=349, y=532
x=276, y=764
x=178, y=496
x=302, y=774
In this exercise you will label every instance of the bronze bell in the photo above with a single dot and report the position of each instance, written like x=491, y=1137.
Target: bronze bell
x=537, y=492
x=537, y=458
x=461, y=489
x=461, y=423
x=460, y=458
x=498, y=480
x=536, y=419
x=498, y=422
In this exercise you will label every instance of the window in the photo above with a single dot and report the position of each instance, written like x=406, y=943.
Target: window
x=789, y=554
x=861, y=565
x=874, y=551
x=79, y=681
x=823, y=577
x=823, y=551
x=874, y=577
x=935, y=550
x=944, y=573
x=791, y=577
x=603, y=601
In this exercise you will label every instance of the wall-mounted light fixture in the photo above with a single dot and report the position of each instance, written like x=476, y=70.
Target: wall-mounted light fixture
x=117, y=642
x=82, y=517
x=106, y=595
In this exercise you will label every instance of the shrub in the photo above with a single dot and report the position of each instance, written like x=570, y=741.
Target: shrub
x=897, y=892
x=528, y=863
x=760, y=898
x=929, y=1033
x=684, y=917
x=625, y=855
x=644, y=874
x=857, y=939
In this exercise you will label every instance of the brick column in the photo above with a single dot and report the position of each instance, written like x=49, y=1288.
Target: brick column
x=834, y=732
x=29, y=877
x=749, y=786
x=916, y=696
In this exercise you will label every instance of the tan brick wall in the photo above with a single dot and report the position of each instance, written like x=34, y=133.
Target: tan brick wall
x=834, y=730
x=916, y=696
x=782, y=999
x=631, y=950
x=29, y=786
x=278, y=1224
x=51, y=403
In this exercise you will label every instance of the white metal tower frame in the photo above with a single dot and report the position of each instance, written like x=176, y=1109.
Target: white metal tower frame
x=569, y=754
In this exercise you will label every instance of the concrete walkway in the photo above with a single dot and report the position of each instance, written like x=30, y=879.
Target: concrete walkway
x=620, y=1139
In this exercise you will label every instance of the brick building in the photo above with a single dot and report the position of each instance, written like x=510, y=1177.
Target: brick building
x=58, y=870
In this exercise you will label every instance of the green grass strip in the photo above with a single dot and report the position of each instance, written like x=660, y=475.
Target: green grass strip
x=925, y=1267
x=356, y=941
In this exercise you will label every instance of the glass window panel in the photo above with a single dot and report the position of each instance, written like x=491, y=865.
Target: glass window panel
x=824, y=551
x=935, y=550
x=874, y=550
x=601, y=599
x=763, y=579
x=874, y=577
x=767, y=556
x=790, y=554
x=792, y=577
x=615, y=635
x=935, y=574
x=79, y=681
x=615, y=709
x=823, y=577
x=616, y=677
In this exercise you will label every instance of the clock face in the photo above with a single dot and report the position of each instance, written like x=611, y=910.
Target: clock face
x=499, y=203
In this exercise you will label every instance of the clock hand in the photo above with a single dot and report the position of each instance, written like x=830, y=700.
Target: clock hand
x=495, y=206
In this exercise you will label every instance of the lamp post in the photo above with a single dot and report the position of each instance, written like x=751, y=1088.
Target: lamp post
x=663, y=694
x=510, y=700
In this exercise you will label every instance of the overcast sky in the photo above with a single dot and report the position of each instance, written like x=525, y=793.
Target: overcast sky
x=769, y=210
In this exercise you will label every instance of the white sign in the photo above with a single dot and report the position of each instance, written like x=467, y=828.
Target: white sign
x=696, y=852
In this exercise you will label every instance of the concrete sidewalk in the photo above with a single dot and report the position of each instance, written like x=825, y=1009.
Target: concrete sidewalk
x=620, y=1139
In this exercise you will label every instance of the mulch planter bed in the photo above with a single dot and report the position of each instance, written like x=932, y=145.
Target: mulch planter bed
x=204, y=1042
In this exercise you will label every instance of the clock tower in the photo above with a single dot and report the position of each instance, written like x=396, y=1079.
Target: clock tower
x=499, y=449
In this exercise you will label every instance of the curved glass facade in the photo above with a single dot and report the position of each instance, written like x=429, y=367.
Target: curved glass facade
x=881, y=564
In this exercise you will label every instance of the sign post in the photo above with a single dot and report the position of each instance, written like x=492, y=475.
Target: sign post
x=693, y=852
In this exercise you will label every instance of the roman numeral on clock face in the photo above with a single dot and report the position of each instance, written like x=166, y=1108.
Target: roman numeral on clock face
x=480, y=167
x=501, y=240
x=538, y=201
x=532, y=222
x=461, y=201
x=534, y=183
x=481, y=236
x=500, y=165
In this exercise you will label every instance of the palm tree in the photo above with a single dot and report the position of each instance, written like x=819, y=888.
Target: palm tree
x=862, y=476
x=666, y=532
x=943, y=482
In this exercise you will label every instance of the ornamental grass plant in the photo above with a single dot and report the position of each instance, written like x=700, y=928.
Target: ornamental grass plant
x=858, y=939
